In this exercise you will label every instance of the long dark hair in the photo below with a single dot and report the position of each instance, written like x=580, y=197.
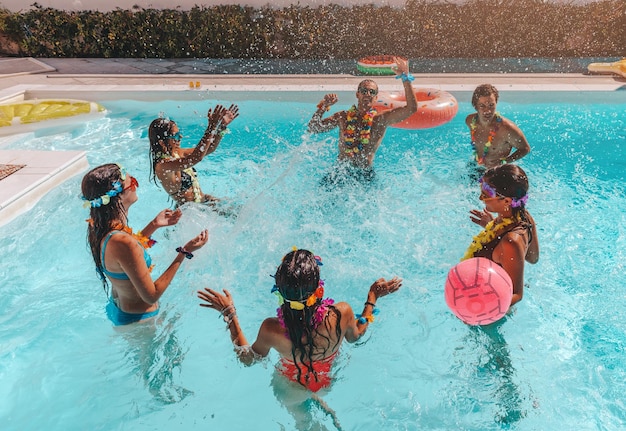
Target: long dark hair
x=297, y=278
x=158, y=131
x=103, y=219
x=511, y=181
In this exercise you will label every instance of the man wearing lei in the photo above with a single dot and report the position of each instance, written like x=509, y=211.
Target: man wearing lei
x=493, y=137
x=362, y=128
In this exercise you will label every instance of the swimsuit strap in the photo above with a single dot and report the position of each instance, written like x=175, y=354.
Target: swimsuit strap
x=116, y=275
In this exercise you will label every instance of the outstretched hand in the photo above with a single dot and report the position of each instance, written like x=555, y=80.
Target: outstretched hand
x=198, y=242
x=220, y=117
x=215, y=300
x=230, y=114
x=481, y=217
x=329, y=100
x=382, y=287
x=168, y=217
x=401, y=66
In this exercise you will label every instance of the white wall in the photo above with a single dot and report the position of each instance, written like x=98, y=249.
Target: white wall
x=107, y=5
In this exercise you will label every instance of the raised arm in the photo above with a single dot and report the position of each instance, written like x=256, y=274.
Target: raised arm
x=225, y=305
x=401, y=113
x=219, y=119
x=355, y=328
x=166, y=217
x=129, y=255
x=317, y=124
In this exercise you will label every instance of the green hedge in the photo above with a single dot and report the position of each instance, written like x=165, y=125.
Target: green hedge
x=477, y=29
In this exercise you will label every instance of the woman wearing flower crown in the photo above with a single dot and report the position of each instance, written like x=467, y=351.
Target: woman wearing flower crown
x=120, y=255
x=174, y=166
x=510, y=239
x=308, y=329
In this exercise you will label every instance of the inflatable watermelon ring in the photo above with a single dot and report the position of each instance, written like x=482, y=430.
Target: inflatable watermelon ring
x=377, y=65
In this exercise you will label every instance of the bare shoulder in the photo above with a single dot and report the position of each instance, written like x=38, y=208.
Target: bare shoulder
x=510, y=126
x=469, y=119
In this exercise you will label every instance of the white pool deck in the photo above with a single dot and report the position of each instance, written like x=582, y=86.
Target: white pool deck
x=26, y=78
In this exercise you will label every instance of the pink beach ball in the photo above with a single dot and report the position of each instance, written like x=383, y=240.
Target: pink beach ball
x=478, y=291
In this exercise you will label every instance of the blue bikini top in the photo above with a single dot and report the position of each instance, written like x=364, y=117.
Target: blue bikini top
x=120, y=275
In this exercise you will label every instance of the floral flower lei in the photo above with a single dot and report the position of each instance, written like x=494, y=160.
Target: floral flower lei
x=492, y=134
x=487, y=235
x=316, y=319
x=364, y=133
x=146, y=242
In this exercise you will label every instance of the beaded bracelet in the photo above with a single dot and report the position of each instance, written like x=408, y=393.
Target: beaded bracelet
x=367, y=319
x=231, y=315
x=323, y=106
x=182, y=250
x=405, y=77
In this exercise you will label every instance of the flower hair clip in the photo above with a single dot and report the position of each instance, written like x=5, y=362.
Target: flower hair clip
x=519, y=202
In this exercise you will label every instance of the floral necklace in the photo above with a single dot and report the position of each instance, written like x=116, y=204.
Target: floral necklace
x=146, y=242
x=487, y=235
x=492, y=134
x=195, y=185
x=316, y=319
x=355, y=145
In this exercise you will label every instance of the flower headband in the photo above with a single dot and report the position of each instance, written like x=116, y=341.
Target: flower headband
x=301, y=303
x=106, y=198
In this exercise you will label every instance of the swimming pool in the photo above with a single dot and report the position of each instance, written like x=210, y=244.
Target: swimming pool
x=556, y=363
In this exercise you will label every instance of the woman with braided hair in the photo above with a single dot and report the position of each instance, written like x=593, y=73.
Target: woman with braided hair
x=509, y=239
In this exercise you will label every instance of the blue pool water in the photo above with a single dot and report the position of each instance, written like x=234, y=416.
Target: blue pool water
x=558, y=362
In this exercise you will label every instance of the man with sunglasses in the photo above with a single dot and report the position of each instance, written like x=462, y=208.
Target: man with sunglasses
x=362, y=128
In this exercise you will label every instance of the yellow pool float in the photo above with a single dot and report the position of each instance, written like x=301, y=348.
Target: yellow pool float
x=618, y=67
x=28, y=115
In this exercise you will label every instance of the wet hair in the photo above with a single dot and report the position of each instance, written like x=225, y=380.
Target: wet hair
x=511, y=181
x=297, y=278
x=482, y=91
x=96, y=183
x=159, y=130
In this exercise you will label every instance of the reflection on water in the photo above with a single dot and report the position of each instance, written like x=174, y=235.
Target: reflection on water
x=154, y=353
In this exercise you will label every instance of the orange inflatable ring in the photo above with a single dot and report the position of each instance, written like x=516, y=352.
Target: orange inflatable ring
x=434, y=107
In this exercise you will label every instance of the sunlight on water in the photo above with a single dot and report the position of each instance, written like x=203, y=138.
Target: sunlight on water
x=555, y=363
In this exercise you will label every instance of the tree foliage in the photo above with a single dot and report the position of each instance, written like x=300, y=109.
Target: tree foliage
x=477, y=28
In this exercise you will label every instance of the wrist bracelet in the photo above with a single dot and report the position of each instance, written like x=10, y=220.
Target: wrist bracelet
x=367, y=319
x=182, y=250
x=405, y=77
x=323, y=106
x=370, y=303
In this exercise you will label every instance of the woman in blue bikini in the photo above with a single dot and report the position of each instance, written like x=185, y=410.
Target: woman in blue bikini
x=120, y=255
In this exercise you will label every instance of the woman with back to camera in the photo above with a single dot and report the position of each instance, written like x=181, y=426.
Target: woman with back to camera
x=174, y=166
x=509, y=239
x=308, y=329
x=119, y=254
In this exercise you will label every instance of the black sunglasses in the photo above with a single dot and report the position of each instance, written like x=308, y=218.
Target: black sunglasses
x=371, y=91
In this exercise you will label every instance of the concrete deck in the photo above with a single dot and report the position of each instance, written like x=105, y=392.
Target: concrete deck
x=148, y=79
